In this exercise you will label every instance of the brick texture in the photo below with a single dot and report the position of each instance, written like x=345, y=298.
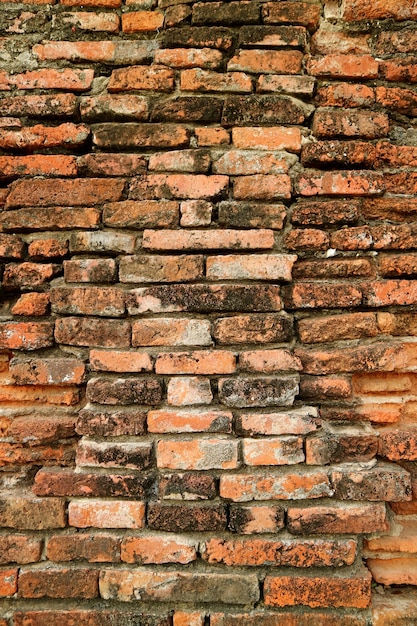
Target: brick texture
x=208, y=356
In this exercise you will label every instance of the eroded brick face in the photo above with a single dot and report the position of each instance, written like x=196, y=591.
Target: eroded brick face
x=208, y=388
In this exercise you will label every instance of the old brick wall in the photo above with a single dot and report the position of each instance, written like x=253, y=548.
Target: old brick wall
x=208, y=325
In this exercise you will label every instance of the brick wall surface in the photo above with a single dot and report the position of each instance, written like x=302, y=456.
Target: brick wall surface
x=208, y=326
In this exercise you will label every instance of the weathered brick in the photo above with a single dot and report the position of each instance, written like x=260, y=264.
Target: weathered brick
x=250, y=392
x=207, y=240
x=31, y=304
x=252, y=329
x=269, y=361
x=56, y=371
x=118, y=361
x=130, y=135
x=39, y=136
x=268, y=36
x=174, y=586
x=40, y=429
x=19, y=549
x=110, y=422
x=195, y=213
x=202, y=110
x=287, y=485
x=30, y=513
x=68, y=79
x=330, y=122
x=382, y=482
x=353, y=10
x=293, y=422
x=339, y=518
x=347, y=66
x=302, y=13
x=258, y=110
x=54, y=218
x=401, y=571
x=262, y=187
x=98, y=548
x=285, y=618
x=78, y=192
x=261, y=552
x=93, y=617
x=103, y=241
x=188, y=58
x=36, y=165
x=187, y=186
x=267, y=61
x=293, y=85
x=58, y=583
x=68, y=483
x=204, y=298
x=267, y=138
x=310, y=295
x=171, y=332
x=88, y=20
x=342, y=591
x=8, y=582
x=273, y=451
x=188, y=486
x=398, y=445
x=196, y=37
x=351, y=183
x=341, y=445
x=101, y=301
x=203, y=362
x=180, y=161
x=28, y=275
x=111, y=164
x=236, y=162
x=26, y=335
x=124, y=391
x=212, y=136
x=347, y=95
x=102, y=454
x=307, y=239
x=185, y=391
x=50, y=105
x=225, y=13
x=159, y=550
x=336, y=327
x=90, y=271
x=110, y=514
x=93, y=332
x=251, y=215
x=255, y=519
x=96, y=51
x=108, y=107
x=343, y=153
x=142, y=21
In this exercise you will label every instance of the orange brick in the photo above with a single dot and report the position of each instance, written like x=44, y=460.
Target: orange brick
x=262, y=187
x=8, y=582
x=201, y=362
x=187, y=58
x=118, y=361
x=267, y=61
x=344, y=66
x=156, y=78
x=192, y=454
x=158, y=549
x=102, y=514
x=142, y=21
x=188, y=421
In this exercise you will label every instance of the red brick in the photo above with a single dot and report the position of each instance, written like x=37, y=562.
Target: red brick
x=354, y=10
x=189, y=57
x=92, y=3
x=142, y=77
x=58, y=583
x=302, y=13
x=207, y=239
x=262, y=187
x=102, y=514
x=92, y=332
x=285, y=618
x=8, y=582
x=180, y=161
x=342, y=445
x=93, y=617
x=142, y=21
x=106, y=107
x=187, y=186
x=267, y=61
x=236, y=162
x=269, y=138
x=352, y=123
x=97, y=51
x=338, y=519
x=102, y=301
x=294, y=85
x=343, y=153
x=268, y=361
x=19, y=549
x=68, y=79
x=31, y=513
x=90, y=271
x=26, y=335
x=390, y=292
x=395, y=571
x=348, y=66
x=287, y=485
x=201, y=362
x=342, y=591
x=326, y=212
x=185, y=618
x=325, y=388
x=41, y=429
x=38, y=137
x=157, y=549
x=189, y=421
x=397, y=99
x=273, y=451
x=171, y=332
x=96, y=548
x=118, y=361
x=257, y=110
x=252, y=215
x=402, y=183
x=62, y=192
x=111, y=164
x=343, y=183
x=327, y=39
x=212, y=136
x=15, y=167
x=398, y=445
x=141, y=214
x=49, y=248
x=334, y=268
x=191, y=454
x=346, y=95
x=392, y=608
x=307, y=239
x=28, y=275
x=182, y=391
x=206, y=81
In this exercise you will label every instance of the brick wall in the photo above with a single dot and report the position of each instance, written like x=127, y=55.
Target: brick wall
x=208, y=323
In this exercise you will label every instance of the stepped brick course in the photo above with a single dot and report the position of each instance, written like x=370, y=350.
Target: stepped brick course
x=208, y=313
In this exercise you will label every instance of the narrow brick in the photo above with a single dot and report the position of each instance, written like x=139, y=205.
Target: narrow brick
x=288, y=485
x=171, y=332
x=192, y=454
x=99, y=548
x=158, y=550
x=110, y=514
x=93, y=332
x=59, y=583
x=346, y=518
x=124, y=391
x=164, y=269
x=189, y=421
